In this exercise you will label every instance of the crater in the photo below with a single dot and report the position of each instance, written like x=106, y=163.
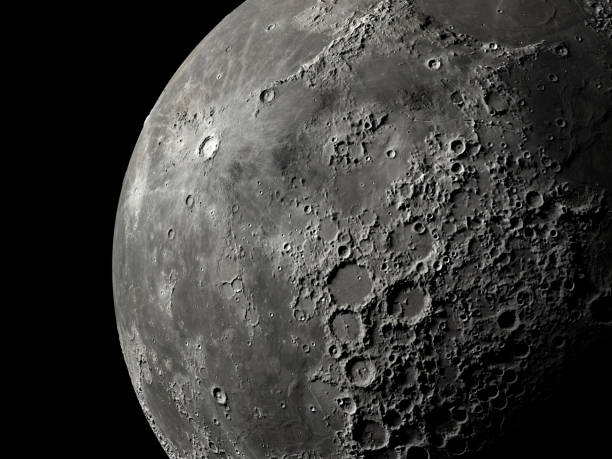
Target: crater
x=393, y=419
x=209, y=147
x=348, y=405
x=370, y=434
x=406, y=302
x=267, y=95
x=350, y=284
x=507, y=319
x=534, y=199
x=361, y=372
x=219, y=395
x=346, y=326
x=496, y=103
x=413, y=241
x=457, y=146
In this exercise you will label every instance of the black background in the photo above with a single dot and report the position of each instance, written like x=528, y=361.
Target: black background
x=116, y=64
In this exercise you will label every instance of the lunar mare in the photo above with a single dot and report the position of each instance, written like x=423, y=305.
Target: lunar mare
x=369, y=228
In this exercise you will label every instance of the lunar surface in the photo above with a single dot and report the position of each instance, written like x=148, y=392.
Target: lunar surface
x=368, y=228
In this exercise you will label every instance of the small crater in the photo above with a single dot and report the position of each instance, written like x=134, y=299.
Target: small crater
x=334, y=351
x=328, y=230
x=267, y=96
x=366, y=246
x=534, y=199
x=507, y=319
x=368, y=217
x=299, y=315
x=558, y=341
x=496, y=103
x=520, y=349
x=227, y=290
x=237, y=285
x=219, y=395
x=347, y=404
x=509, y=375
x=344, y=252
x=209, y=147
x=524, y=297
x=457, y=168
x=361, y=372
x=434, y=63
x=307, y=305
x=459, y=414
x=456, y=446
x=419, y=228
x=393, y=419
x=561, y=50
x=457, y=146
x=391, y=154
x=457, y=99
x=343, y=237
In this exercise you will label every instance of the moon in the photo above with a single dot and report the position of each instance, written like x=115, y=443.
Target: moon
x=368, y=228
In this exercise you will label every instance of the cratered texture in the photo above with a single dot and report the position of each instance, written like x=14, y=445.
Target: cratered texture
x=367, y=228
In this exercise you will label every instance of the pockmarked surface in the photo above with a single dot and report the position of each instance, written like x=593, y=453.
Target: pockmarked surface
x=368, y=228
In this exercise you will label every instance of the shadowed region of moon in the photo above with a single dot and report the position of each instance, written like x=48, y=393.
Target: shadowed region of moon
x=370, y=434
x=509, y=22
x=374, y=229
